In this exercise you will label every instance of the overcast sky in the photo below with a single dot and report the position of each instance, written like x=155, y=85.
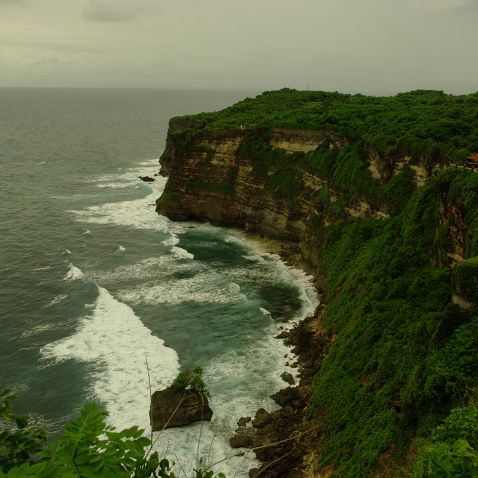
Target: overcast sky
x=368, y=46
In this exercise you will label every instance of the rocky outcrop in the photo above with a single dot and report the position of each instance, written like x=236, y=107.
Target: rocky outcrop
x=210, y=182
x=176, y=408
x=294, y=141
x=452, y=217
x=285, y=439
x=146, y=179
x=384, y=165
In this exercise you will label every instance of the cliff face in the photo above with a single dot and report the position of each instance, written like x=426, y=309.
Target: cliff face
x=214, y=177
x=210, y=181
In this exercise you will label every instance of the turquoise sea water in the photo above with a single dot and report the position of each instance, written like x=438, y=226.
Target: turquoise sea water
x=94, y=284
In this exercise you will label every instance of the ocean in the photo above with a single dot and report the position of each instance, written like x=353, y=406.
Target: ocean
x=96, y=287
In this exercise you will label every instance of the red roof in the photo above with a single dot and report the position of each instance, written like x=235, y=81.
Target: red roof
x=473, y=157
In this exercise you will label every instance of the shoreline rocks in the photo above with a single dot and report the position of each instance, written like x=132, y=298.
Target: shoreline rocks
x=147, y=179
x=283, y=438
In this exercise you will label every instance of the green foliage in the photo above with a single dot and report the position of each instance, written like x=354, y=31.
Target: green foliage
x=462, y=423
x=431, y=124
x=191, y=379
x=20, y=440
x=465, y=279
x=404, y=354
x=88, y=448
x=343, y=170
x=453, y=451
x=444, y=460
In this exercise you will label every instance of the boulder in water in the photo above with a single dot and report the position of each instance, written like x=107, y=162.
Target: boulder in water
x=176, y=408
x=146, y=179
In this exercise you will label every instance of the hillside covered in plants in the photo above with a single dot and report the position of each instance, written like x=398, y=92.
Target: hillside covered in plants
x=381, y=197
x=419, y=121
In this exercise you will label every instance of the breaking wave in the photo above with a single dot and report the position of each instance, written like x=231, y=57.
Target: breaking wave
x=116, y=344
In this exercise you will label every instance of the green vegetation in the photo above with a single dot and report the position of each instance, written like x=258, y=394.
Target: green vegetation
x=429, y=123
x=453, y=448
x=88, y=448
x=191, y=379
x=465, y=278
x=342, y=169
x=404, y=355
x=279, y=171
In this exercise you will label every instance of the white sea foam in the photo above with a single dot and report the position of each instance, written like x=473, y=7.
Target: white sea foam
x=138, y=213
x=150, y=162
x=202, y=287
x=264, y=311
x=74, y=273
x=253, y=258
x=113, y=178
x=66, y=252
x=172, y=240
x=116, y=344
x=117, y=185
x=57, y=299
x=44, y=268
x=152, y=268
x=180, y=253
x=38, y=330
x=87, y=231
x=281, y=273
x=121, y=248
x=148, y=167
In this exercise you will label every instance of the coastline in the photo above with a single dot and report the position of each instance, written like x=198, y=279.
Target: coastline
x=282, y=439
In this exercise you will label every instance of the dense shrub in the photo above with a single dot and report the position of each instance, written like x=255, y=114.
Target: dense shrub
x=428, y=123
x=404, y=354
x=191, y=379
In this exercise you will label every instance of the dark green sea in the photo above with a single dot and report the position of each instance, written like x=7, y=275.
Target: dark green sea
x=93, y=283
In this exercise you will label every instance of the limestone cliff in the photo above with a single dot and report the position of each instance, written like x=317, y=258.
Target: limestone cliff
x=213, y=176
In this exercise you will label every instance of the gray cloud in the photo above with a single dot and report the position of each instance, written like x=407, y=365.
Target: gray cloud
x=368, y=46
x=440, y=5
x=116, y=10
x=13, y=2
